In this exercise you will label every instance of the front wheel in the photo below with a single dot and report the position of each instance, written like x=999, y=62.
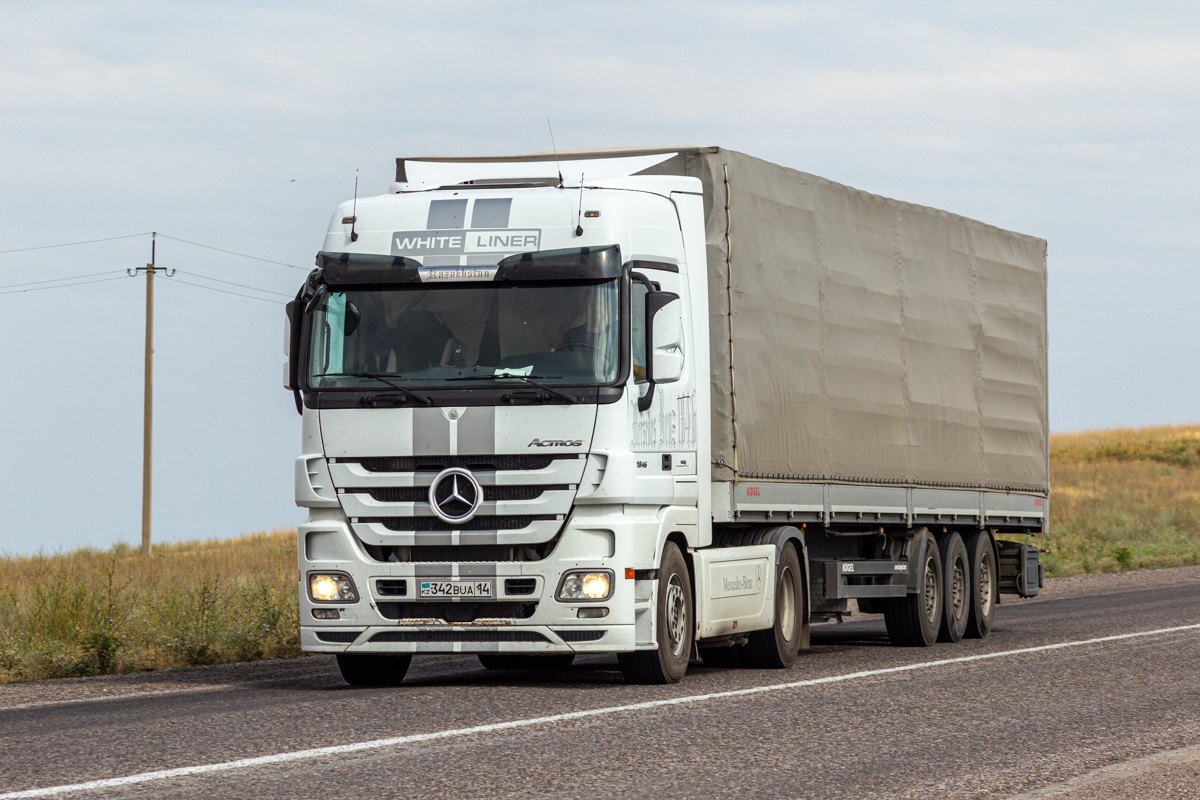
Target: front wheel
x=675, y=626
x=373, y=669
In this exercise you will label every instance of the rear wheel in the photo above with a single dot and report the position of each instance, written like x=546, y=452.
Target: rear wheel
x=373, y=669
x=914, y=620
x=525, y=661
x=984, y=585
x=776, y=648
x=675, y=626
x=956, y=591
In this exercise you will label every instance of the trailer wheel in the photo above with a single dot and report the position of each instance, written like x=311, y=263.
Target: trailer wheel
x=984, y=585
x=776, y=647
x=525, y=661
x=914, y=620
x=675, y=626
x=956, y=593
x=373, y=669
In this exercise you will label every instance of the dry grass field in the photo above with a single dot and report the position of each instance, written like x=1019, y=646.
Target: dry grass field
x=94, y=612
x=1121, y=499
x=1124, y=499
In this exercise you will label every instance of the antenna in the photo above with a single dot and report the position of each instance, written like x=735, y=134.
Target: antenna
x=579, y=216
x=555, y=149
x=354, y=210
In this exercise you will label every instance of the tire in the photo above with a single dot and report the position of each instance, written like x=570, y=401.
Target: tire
x=725, y=657
x=776, y=647
x=675, y=627
x=956, y=594
x=525, y=661
x=914, y=620
x=373, y=669
x=985, y=584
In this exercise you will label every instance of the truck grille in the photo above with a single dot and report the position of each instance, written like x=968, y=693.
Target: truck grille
x=504, y=523
x=459, y=636
x=473, y=463
x=463, y=553
x=420, y=494
x=337, y=637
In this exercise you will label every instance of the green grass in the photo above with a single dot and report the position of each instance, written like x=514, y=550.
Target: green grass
x=93, y=612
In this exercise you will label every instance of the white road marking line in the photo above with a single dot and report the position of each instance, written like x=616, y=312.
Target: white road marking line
x=1114, y=772
x=124, y=696
x=375, y=744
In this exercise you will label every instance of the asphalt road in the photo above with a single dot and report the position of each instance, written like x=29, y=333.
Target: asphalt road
x=1016, y=715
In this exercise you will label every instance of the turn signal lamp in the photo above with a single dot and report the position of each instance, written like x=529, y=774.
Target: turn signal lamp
x=331, y=587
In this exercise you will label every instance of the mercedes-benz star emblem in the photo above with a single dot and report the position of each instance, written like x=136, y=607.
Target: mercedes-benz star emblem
x=455, y=495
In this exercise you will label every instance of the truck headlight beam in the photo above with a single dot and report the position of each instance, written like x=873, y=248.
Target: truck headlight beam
x=331, y=587
x=585, y=586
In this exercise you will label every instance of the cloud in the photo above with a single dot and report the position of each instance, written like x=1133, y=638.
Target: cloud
x=1072, y=123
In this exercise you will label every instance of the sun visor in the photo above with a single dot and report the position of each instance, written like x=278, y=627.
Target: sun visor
x=573, y=264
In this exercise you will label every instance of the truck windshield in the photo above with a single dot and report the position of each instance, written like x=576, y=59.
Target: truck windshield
x=427, y=335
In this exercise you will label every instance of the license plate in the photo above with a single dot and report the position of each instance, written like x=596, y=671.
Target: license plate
x=456, y=589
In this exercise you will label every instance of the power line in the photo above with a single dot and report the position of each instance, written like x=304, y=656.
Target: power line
x=62, y=285
x=223, y=291
x=72, y=244
x=232, y=252
x=231, y=283
x=59, y=280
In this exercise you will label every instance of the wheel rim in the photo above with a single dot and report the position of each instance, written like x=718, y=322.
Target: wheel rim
x=931, y=590
x=676, y=615
x=958, y=588
x=985, y=584
x=787, y=605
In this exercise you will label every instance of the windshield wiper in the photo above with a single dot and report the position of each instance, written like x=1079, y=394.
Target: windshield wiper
x=422, y=400
x=525, y=378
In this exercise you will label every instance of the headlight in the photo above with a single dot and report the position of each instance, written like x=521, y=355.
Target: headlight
x=331, y=587
x=585, y=586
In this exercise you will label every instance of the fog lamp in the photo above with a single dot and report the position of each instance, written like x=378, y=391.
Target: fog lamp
x=585, y=586
x=326, y=613
x=331, y=587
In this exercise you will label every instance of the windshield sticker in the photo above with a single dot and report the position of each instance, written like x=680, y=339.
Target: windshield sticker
x=462, y=242
x=450, y=274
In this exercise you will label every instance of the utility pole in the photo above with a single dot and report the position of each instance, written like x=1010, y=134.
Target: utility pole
x=148, y=408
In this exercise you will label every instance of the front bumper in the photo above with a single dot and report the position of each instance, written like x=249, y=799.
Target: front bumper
x=593, y=538
x=471, y=638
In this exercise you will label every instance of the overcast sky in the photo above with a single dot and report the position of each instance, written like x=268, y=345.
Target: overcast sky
x=240, y=126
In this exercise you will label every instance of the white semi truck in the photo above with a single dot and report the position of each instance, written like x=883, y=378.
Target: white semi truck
x=667, y=403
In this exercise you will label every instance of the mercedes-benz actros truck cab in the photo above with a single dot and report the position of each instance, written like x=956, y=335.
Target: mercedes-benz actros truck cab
x=667, y=403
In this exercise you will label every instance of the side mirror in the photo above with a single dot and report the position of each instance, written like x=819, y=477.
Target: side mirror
x=292, y=329
x=666, y=357
x=664, y=339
